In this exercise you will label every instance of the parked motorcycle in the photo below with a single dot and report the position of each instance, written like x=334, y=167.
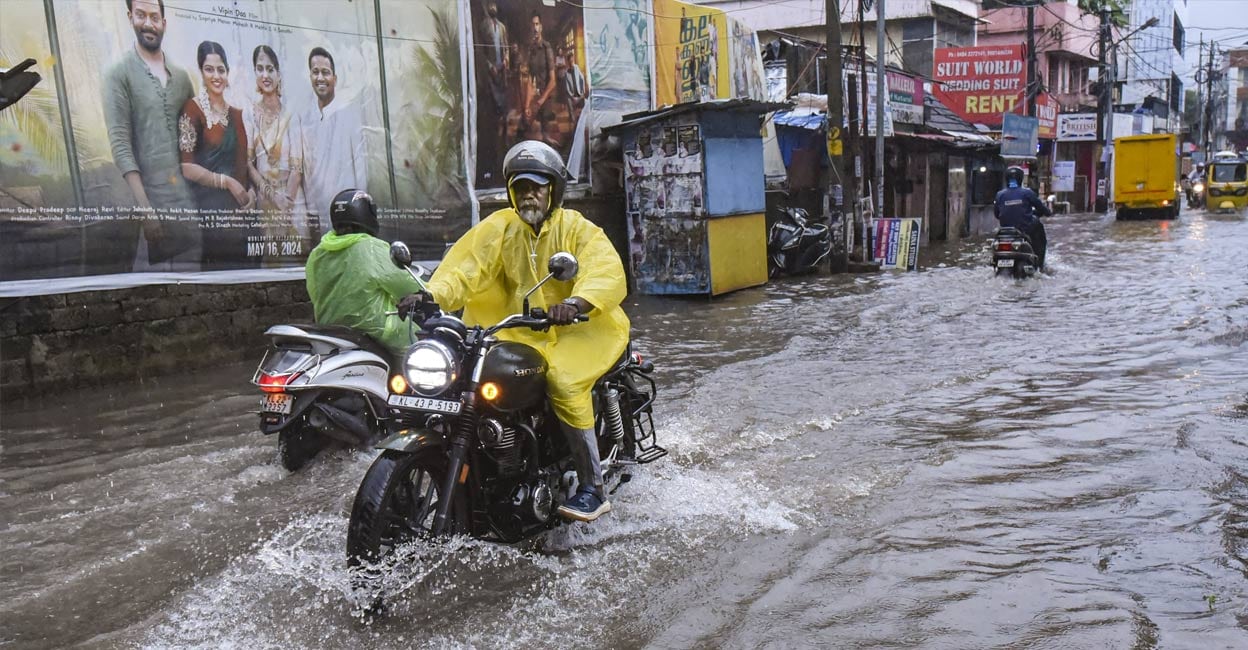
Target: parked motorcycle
x=795, y=245
x=1012, y=253
x=323, y=386
x=476, y=448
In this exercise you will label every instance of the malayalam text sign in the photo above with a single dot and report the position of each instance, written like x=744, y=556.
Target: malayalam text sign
x=979, y=83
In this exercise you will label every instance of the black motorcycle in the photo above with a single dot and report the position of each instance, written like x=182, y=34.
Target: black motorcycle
x=795, y=245
x=476, y=448
x=1012, y=254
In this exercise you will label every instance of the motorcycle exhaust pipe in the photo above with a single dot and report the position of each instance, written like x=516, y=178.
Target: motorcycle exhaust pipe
x=339, y=424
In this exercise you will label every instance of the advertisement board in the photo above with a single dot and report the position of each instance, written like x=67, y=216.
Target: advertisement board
x=1019, y=136
x=1064, y=176
x=691, y=55
x=1076, y=127
x=529, y=68
x=211, y=136
x=979, y=83
x=897, y=242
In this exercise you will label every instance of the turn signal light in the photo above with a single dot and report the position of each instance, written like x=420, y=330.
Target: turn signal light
x=489, y=390
x=398, y=384
x=276, y=383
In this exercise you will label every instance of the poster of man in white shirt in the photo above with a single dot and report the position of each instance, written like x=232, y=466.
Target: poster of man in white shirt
x=334, y=153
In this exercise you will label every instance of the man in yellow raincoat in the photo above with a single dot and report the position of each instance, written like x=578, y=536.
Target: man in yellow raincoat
x=490, y=268
x=350, y=277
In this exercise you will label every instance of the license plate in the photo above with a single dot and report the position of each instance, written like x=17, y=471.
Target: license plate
x=277, y=403
x=425, y=404
x=1005, y=264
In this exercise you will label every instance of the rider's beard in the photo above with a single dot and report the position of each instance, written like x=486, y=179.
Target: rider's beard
x=533, y=216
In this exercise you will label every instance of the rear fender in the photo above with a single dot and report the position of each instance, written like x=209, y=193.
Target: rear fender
x=354, y=370
x=412, y=440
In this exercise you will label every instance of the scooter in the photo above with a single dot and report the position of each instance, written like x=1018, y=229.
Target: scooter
x=1012, y=253
x=795, y=245
x=1196, y=195
x=323, y=386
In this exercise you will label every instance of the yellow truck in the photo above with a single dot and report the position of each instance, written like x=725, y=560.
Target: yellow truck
x=1146, y=176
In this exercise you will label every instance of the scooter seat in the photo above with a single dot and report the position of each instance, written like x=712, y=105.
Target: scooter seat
x=349, y=335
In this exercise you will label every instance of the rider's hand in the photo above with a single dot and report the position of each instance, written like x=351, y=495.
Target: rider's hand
x=418, y=304
x=566, y=311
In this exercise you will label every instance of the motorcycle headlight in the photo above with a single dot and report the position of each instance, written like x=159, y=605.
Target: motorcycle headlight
x=429, y=367
x=1199, y=187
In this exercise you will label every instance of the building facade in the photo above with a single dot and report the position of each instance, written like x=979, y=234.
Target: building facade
x=1151, y=62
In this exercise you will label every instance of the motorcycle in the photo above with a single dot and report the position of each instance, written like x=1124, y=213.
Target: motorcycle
x=795, y=245
x=323, y=386
x=1196, y=195
x=475, y=447
x=1012, y=253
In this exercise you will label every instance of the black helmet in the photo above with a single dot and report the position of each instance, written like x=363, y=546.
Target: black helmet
x=537, y=162
x=1016, y=174
x=353, y=209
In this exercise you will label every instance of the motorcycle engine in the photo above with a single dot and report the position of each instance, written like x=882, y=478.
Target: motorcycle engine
x=534, y=501
x=499, y=441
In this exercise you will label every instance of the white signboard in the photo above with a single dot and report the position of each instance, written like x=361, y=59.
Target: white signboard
x=1076, y=127
x=1064, y=176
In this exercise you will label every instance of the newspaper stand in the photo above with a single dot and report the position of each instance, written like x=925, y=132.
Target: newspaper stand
x=693, y=180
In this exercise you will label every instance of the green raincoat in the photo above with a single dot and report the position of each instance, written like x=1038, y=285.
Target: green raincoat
x=352, y=282
x=490, y=268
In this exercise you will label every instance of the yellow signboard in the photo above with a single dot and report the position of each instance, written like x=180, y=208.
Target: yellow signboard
x=691, y=53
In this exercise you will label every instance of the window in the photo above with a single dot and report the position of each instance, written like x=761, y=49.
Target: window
x=1179, y=34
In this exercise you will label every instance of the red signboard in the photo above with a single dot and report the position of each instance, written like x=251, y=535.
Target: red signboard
x=1046, y=112
x=980, y=83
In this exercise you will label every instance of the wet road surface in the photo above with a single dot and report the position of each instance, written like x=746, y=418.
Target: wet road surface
x=938, y=459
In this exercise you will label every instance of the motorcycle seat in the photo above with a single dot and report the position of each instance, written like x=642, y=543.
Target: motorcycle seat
x=354, y=337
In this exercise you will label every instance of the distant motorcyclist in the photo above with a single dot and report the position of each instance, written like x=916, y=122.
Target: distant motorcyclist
x=490, y=268
x=1197, y=175
x=1019, y=207
x=350, y=277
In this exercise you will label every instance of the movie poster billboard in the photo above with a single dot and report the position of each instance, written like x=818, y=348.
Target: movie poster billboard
x=617, y=43
x=746, y=61
x=691, y=56
x=979, y=83
x=529, y=64
x=207, y=136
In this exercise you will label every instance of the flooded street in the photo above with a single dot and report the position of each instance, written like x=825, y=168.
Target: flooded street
x=939, y=459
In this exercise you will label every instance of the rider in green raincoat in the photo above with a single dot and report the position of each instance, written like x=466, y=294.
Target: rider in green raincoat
x=350, y=276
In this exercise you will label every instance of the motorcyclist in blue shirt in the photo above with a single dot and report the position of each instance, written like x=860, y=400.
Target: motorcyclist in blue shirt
x=1019, y=207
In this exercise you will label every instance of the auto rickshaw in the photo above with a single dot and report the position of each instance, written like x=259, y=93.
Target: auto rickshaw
x=1226, y=182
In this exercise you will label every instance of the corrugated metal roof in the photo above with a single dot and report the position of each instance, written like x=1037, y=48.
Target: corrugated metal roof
x=730, y=105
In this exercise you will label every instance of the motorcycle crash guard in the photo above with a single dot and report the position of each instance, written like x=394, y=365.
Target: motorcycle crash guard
x=412, y=441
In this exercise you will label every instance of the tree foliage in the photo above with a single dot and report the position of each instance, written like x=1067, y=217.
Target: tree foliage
x=1117, y=9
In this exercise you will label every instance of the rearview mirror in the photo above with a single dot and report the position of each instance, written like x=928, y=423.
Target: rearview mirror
x=563, y=266
x=400, y=254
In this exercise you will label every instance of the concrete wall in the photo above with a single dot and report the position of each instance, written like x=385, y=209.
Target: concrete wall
x=92, y=338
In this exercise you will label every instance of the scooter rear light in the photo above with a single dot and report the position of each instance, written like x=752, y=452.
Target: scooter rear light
x=276, y=383
x=1006, y=246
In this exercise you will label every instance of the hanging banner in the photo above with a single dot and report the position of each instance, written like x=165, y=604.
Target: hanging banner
x=746, y=60
x=897, y=243
x=979, y=83
x=529, y=68
x=211, y=136
x=690, y=53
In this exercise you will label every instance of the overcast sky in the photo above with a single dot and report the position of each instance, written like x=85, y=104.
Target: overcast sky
x=1225, y=21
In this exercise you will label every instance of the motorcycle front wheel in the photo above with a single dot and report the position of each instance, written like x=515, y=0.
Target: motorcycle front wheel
x=396, y=503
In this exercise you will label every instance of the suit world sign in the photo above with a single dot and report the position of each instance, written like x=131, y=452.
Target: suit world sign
x=980, y=83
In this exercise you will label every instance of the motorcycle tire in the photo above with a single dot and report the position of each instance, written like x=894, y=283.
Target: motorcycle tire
x=396, y=503
x=298, y=445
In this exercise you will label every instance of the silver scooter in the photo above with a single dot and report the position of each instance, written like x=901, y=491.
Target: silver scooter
x=324, y=386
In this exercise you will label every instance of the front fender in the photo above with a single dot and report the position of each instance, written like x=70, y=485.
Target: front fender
x=412, y=441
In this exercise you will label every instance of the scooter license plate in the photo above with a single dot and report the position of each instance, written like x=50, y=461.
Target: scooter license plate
x=277, y=403
x=425, y=404
x=1005, y=264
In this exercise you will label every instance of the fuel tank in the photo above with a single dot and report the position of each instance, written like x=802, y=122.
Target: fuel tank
x=519, y=371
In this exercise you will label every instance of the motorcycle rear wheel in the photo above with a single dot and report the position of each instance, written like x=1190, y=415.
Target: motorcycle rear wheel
x=396, y=503
x=299, y=444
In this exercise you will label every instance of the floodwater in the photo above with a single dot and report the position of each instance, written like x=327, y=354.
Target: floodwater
x=939, y=459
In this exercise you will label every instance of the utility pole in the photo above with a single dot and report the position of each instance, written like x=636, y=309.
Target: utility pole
x=1032, y=84
x=841, y=167
x=1207, y=131
x=1199, y=136
x=1104, y=115
x=881, y=88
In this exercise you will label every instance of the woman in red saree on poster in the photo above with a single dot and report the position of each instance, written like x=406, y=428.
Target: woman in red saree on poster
x=213, y=145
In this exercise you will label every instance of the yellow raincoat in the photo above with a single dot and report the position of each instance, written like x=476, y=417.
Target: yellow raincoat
x=352, y=282
x=490, y=268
